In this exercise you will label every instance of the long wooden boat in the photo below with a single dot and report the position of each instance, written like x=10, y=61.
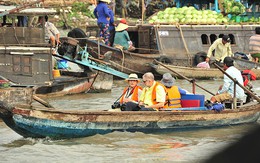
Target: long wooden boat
x=178, y=45
x=123, y=60
x=38, y=122
x=194, y=72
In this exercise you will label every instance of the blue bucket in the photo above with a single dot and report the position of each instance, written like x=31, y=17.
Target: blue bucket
x=62, y=64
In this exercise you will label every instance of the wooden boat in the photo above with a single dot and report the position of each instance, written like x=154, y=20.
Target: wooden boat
x=194, y=72
x=123, y=60
x=39, y=122
x=178, y=45
x=26, y=58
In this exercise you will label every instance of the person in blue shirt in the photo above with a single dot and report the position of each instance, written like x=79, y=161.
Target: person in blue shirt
x=111, y=23
x=101, y=12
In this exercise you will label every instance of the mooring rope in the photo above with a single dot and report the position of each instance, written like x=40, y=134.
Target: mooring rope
x=184, y=42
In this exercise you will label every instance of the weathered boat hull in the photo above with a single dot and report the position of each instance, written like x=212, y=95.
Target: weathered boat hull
x=194, y=72
x=71, y=124
x=72, y=85
x=125, y=61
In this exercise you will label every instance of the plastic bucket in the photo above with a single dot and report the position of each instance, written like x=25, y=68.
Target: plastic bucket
x=62, y=64
x=56, y=73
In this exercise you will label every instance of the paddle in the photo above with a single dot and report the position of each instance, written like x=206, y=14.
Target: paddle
x=190, y=80
x=235, y=81
x=41, y=101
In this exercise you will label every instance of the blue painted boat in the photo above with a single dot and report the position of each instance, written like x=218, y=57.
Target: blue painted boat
x=40, y=122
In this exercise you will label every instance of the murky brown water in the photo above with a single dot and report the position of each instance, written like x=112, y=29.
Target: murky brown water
x=186, y=146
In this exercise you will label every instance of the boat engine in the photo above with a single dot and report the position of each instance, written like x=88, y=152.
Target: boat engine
x=68, y=47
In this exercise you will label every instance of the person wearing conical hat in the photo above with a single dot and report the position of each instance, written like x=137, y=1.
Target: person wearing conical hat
x=101, y=12
x=122, y=38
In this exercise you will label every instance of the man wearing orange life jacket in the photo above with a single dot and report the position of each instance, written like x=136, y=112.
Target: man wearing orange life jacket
x=173, y=93
x=132, y=92
x=153, y=95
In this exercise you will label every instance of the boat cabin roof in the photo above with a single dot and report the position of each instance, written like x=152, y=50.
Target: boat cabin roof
x=27, y=11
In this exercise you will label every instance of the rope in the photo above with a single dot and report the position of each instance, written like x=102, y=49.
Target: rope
x=184, y=42
x=115, y=64
x=16, y=35
x=158, y=36
x=121, y=49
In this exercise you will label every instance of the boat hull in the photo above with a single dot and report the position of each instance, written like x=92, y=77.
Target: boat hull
x=194, y=72
x=124, y=61
x=72, y=124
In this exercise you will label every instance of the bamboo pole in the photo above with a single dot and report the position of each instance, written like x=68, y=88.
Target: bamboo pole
x=41, y=101
x=143, y=10
x=184, y=77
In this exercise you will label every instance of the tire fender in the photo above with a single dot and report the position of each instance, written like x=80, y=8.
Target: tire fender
x=78, y=33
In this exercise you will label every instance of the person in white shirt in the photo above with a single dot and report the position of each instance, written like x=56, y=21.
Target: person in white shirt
x=226, y=91
x=52, y=34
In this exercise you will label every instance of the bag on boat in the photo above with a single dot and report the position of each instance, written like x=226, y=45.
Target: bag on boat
x=203, y=65
x=218, y=107
x=241, y=55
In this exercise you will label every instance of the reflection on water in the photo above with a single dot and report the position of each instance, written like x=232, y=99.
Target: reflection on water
x=185, y=146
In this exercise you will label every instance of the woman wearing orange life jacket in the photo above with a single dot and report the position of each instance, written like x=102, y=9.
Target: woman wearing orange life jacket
x=173, y=93
x=133, y=91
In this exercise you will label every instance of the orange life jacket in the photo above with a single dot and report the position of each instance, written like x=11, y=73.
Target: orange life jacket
x=134, y=93
x=173, y=98
x=154, y=92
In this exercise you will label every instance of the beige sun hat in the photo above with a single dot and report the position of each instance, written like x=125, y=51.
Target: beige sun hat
x=121, y=27
x=107, y=1
x=133, y=77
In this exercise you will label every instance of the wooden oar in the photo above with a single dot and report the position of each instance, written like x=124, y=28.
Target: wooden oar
x=235, y=81
x=190, y=80
x=41, y=101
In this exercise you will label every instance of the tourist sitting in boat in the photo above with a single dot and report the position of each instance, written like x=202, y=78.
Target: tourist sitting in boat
x=122, y=39
x=152, y=97
x=101, y=12
x=254, y=45
x=226, y=91
x=132, y=92
x=51, y=32
x=222, y=49
x=173, y=93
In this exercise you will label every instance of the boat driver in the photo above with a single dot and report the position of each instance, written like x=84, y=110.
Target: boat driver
x=226, y=91
x=222, y=49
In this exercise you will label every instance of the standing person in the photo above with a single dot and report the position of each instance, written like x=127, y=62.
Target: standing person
x=226, y=91
x=101, y=12
x=173, y=93
x=111, y=23
x=153, y=95
x=51, y=32
x=222, y=49
x=132, y=92
x=254, y=45
x=122, y=39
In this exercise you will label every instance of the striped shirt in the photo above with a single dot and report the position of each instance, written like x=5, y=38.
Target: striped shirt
x=254, y=44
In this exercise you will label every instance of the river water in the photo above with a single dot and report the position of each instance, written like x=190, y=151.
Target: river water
x=185, y=146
